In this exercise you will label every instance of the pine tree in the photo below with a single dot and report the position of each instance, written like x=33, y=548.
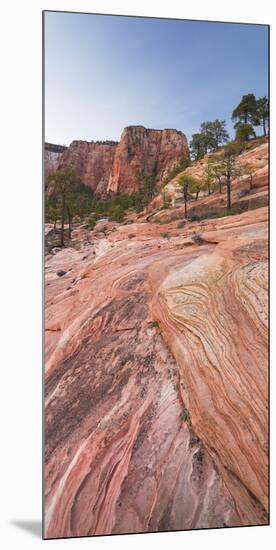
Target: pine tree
x=188, y=184
x=246, y=110
x=229, y=167
x=263, y=113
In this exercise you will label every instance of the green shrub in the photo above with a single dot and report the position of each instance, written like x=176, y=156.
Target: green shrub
x=197, y=238
x=199, y=455
x=154, y=324
x=234, y=210
x=91, y=222
x=186, y=417
x=194, y=218
x=116, y=212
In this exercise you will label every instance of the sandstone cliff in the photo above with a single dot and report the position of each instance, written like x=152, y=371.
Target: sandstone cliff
x=91, y=161
x=151, y=151
x=111, y=167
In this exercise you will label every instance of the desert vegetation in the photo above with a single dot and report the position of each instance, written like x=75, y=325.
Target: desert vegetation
x=247, y=115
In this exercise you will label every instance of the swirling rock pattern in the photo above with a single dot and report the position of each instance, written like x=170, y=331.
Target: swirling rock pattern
x=139, y=331
x=215, y=314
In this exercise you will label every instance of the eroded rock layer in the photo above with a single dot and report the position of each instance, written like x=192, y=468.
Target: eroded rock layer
x=215, y=315
x=112, y=167
x=156, y=378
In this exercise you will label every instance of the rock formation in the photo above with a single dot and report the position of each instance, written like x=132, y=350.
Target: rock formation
x=156, y=378
x=52, y=154
x=111, y=167
x=91, y=161
x=214, y=312
x=150, y=151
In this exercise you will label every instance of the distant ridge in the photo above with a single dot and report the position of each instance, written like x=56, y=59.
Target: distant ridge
x=53, y=148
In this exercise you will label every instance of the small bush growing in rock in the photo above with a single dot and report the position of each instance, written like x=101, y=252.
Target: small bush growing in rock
x=154, y=324
x=197, y=238
x=199, y=455
x=91, y=222
x=180, y=225
x=185, y=416
x=165, y=235
x=232, y=212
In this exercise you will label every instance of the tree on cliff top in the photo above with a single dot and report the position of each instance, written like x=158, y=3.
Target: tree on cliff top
x=215, y=134
x=244, y=131
x=263, y=113
x=252, y=111
x=246, y=110
x=212, y=135
x=197, y=146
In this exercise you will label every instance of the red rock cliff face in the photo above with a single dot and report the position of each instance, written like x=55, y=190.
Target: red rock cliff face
x=91, y=161
x=113, y=167
x=153, y=151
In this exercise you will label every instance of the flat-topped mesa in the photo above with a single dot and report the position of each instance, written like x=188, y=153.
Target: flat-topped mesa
x=147, y=150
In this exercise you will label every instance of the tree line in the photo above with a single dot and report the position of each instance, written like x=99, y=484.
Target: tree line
x=218, y=173
x=68, y=199
x=248, y=114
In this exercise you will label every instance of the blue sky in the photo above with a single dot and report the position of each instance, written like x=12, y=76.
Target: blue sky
x=103, y=73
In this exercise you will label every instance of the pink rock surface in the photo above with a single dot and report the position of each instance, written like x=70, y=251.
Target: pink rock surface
x=137, y=330
x=256, y=157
